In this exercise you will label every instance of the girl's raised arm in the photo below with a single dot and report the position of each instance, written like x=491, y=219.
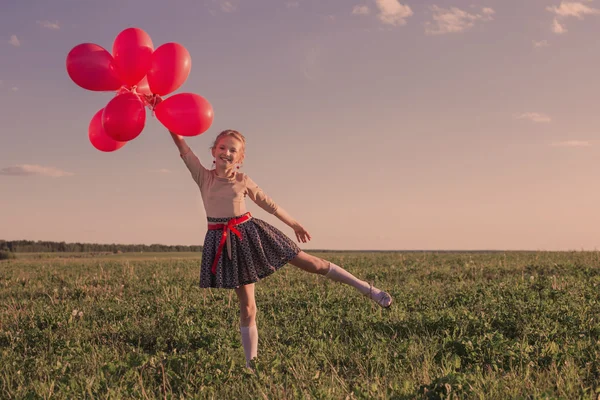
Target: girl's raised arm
x=180, y=143
x=190, y=159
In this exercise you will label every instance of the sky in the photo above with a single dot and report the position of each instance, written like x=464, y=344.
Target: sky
x=377, y=124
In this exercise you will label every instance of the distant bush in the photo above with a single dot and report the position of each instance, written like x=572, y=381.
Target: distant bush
x=7, y=255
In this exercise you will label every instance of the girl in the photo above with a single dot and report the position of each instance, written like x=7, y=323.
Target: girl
x=240, y=250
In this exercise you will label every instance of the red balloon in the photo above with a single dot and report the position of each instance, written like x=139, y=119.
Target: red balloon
x=170, y=67
x=185, y=114
x=98, y=136
x=132, y=51
x=124, y=117
x=93, y=68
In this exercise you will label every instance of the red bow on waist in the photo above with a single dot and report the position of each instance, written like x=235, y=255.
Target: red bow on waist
x=226, y=227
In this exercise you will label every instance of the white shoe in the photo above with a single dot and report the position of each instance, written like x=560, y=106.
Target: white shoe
x=383, y=299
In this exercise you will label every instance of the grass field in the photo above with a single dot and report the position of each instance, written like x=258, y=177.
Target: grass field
x=464, y=325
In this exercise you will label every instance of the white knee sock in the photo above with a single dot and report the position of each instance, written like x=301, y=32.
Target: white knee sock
x=339, y=274
x=250, y=342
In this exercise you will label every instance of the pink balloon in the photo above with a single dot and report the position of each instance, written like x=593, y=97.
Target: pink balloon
x=124, y=117
x=132, y=51
x=93, y=68
x=186, y=114
x=98, y=136
x=142, y=87
x=170, y=67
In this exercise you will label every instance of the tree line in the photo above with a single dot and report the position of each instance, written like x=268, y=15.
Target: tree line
x=30, y=246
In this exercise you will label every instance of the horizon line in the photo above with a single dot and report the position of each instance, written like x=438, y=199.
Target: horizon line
x=490, y=250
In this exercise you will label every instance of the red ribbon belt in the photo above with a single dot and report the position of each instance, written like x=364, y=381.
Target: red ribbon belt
x=226, y=227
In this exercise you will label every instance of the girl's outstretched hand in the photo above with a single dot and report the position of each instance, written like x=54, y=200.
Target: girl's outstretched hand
x=301, y=234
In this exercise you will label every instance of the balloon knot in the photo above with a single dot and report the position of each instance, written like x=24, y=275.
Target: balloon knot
x=151, y=100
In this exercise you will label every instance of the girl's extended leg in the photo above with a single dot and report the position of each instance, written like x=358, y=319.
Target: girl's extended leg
x=316, y=265
x=248, y=329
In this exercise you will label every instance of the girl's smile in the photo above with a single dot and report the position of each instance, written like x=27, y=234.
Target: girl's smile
x=228, y=152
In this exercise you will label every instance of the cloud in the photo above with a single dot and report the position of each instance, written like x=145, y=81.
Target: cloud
x=1, y=83
x=392, y=12
x=541, y=43
x=454, y=20
x=14, y=40
x=533, y=116
x=557, y=27
x=14, y=89
x=361, y=10
x=292, y=4
x=30, y=170
x=488, y=11
x=572, y=9
x=569, y=9
x=49, y=25
x=571, y=143
x=227, y=6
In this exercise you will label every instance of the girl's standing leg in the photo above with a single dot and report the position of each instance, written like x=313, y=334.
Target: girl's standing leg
x=316, y=265
x=248, y=329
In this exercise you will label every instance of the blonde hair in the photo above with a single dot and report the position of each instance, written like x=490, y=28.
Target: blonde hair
x=233, y=133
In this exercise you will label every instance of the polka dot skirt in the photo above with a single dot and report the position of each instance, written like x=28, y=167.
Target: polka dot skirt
x=262, y=250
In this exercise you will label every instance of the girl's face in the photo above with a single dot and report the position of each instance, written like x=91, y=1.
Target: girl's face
x=228, y=152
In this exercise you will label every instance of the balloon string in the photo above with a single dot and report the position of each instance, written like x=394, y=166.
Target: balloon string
x=154, y=103
x=122, y=90
x=149, y=100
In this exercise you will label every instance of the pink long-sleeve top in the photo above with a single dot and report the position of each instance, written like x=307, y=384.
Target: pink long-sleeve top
x=225, y=197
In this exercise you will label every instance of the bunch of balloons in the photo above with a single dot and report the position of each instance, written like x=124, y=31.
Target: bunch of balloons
x=139, y=75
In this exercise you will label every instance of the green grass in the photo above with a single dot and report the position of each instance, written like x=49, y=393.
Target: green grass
x=493, y=326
